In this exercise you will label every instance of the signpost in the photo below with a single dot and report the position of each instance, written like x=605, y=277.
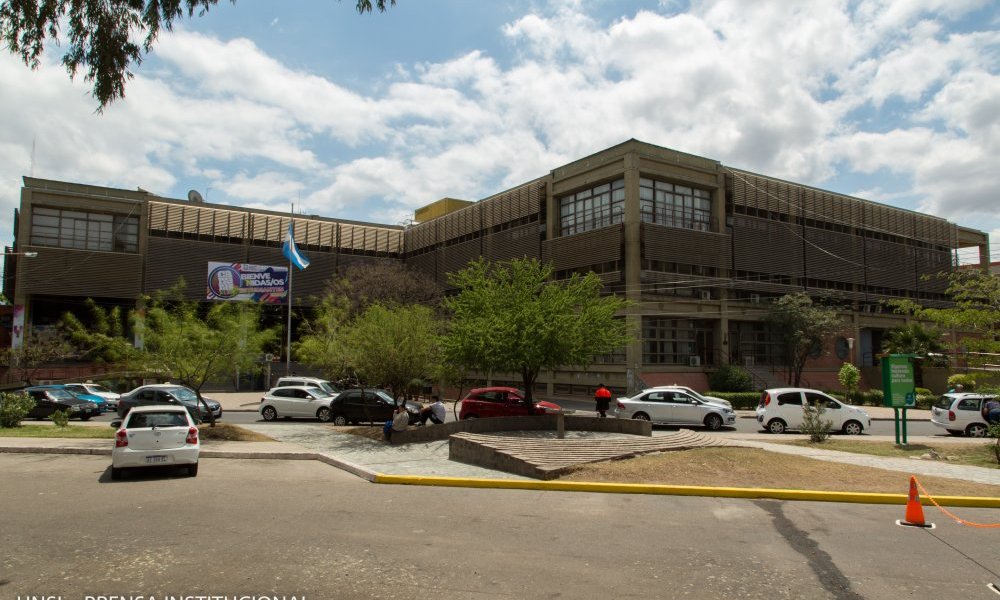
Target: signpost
x=899, y=388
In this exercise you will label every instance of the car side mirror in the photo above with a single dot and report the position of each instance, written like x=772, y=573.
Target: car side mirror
x=116, y=424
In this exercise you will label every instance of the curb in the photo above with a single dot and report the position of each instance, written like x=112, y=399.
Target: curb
x=685, y=490
x=561, y=486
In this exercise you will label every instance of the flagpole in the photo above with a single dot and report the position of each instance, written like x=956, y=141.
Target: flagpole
x=288, y=343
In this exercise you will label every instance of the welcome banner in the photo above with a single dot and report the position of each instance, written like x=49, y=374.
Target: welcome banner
x=247, y=283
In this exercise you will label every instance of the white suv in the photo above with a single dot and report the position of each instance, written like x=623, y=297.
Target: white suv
x=961, y=412
x=290, y=380
x=780, y=409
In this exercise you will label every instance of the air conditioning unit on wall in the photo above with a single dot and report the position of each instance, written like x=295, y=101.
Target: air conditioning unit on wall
x=694, y=361
x=705, y=295
x=754, y=298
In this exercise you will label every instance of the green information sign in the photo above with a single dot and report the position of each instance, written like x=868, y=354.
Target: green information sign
x=897, y=381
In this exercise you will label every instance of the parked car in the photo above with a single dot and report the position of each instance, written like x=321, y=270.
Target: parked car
x=100, y=402
x=291, y=380
x=150, y=436
x=780, y=409
x=961, y=413
x=296, y=401
x=110, y=398
x=374, y=406
x=674, y=406
x=49, y=399
x=168, y=393
x=691, y=392
x=501, y=402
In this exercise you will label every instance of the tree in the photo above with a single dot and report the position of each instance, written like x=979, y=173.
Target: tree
x=386, y=283
x=914, y=338
x=39, y=348
x=196, y=350
x=321, y=344
x=102, y=337
x=512, y=317
x=976, y=310
x=803, y=326
x=392, y=346
x=103, y=36
x=849, y=376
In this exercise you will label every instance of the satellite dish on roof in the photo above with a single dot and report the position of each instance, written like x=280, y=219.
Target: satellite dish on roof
x=195, y=196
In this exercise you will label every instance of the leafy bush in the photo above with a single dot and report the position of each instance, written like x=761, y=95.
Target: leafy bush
x=923, y=392
x=60, y=418
x=814, y=424
x=965, y=380
x=926, y=401
x=870, y=398
x=739, y=400
x=730, y=378
x=849, y=376
x=14, y=407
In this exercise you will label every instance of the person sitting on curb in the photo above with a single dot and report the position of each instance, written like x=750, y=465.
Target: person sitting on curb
x=399, y=422
x=435, y=412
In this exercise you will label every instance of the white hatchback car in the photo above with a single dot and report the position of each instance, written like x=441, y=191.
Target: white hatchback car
x=780, y=409
x=296, y=401
x=674, y=407
x=961, y=412
x=152, y=436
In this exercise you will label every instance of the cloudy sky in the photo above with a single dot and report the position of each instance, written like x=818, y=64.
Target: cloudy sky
x=264, y=103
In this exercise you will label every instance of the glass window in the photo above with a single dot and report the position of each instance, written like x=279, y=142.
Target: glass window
x=674, y=205
x=84, y=230
x=597, y=207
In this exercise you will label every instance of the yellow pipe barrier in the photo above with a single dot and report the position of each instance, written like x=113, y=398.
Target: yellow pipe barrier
x=682, y=490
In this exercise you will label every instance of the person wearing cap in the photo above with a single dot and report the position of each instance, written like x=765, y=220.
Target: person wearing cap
x=603, y=399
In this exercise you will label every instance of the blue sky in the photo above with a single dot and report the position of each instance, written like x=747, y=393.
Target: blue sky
x=368, y=117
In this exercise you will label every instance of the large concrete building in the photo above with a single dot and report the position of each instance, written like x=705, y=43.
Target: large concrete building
x=700, y=248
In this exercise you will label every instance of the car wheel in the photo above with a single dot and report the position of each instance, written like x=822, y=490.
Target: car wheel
x=323, y=414
x=116, y=473
x=776, y=426
x=192, y=470
x=340, y=420
x=269, y=413
x=976, y=430
x=640, y=417
x=852, y=428
x=713, y=422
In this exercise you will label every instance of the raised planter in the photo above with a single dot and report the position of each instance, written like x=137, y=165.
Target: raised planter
x=430, y=433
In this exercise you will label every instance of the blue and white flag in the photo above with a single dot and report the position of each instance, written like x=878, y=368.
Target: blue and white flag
x=291, y=251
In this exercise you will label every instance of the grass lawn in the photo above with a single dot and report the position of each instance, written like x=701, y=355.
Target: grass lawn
x=754, y=468
x=977, y=454
x=221, y=431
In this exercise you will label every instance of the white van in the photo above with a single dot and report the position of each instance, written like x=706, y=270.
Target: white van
x=322, y=384
x=780, y=409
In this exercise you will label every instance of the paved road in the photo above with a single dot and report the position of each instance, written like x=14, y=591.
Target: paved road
x=299, y=527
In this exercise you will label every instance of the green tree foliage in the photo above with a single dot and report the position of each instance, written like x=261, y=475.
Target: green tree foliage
x=730, y=378
x=195, y=349
x=392, y=346
x=511, y=317
x=101, y=335
x=803, y=326
x=321, y=342
x=104, y=36
x=849, y=377
x=914, y=338
x=976, y=295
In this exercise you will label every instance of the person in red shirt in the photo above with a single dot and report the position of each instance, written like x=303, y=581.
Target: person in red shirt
x=603, y=398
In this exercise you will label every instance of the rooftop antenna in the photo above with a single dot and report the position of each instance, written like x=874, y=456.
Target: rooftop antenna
x=195, y=196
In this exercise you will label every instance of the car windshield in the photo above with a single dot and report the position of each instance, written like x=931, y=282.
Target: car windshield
x=326, y=387
x=61, y=394
x=100, y=389
x=944, y=402
x=318, y=391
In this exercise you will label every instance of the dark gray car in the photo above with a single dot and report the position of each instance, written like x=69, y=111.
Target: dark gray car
x=169, y=393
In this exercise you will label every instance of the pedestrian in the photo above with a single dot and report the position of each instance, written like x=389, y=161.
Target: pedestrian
x=991, y=411
x=435, y=412
x=399, y=422
x=603, y=399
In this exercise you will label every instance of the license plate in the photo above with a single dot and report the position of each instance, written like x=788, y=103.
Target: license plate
x=156, y=459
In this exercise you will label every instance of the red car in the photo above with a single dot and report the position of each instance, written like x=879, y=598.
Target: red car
x=500, y=402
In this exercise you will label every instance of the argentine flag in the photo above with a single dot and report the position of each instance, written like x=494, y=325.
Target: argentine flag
x=291, y=252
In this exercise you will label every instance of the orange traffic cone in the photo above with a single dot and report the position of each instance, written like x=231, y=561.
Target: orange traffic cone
x=914, y=510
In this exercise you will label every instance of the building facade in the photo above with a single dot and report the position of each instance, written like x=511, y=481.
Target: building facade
x=698, y=247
